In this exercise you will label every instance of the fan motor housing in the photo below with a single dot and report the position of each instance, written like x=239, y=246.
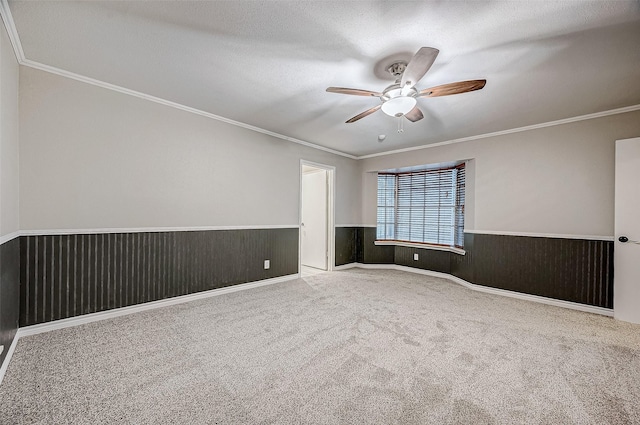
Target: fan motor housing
x=397, y=69
x=394, y=90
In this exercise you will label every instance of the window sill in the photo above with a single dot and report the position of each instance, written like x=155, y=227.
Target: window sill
x=455, y=250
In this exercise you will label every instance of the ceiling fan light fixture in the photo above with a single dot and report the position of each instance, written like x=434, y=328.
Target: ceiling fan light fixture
x=399, y=99
x=398, y=106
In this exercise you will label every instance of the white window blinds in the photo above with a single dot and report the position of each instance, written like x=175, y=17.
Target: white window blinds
x=422, y=206
x=386, y=206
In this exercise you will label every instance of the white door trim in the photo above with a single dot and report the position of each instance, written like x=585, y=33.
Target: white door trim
x=330, y=213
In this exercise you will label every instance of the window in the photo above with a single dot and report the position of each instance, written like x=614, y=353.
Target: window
x=422, y=206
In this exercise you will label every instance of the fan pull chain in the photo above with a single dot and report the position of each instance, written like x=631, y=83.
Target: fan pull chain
x=400, y=124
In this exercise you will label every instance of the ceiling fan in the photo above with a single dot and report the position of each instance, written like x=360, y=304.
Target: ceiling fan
x=400, y=98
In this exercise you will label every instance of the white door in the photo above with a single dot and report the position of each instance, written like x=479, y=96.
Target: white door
x=314, y=219
x=626, y=254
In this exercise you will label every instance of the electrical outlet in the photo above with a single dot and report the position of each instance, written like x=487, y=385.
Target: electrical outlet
x=415, y=257
x=1, y=348
x=267, y=264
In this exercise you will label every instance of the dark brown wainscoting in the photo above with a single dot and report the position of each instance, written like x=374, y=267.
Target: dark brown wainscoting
x=9, y=293
x=70, y=275
x=462, y=265
x=428, y=259
x=356, y=245
x=347, y=244
x=575, y=270
x=372, y=253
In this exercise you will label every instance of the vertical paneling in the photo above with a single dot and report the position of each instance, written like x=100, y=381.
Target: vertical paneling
x=428, y=259
x=462, y=265
x=360, y=245
x=574, y=270
x=346, y=245
x=70, y=275
x=372, y=253
x=9, y=293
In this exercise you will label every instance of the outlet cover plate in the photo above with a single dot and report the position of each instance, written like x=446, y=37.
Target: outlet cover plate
x=415, y=257
x=267, y=264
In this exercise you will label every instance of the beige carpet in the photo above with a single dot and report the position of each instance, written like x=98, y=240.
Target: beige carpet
x=351, y=347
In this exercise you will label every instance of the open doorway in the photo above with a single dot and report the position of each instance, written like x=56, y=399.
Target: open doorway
x=316, y=218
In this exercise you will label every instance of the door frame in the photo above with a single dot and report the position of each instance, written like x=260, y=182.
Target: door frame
x=330, y=213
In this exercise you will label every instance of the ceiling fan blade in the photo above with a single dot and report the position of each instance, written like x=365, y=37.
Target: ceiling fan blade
x=418, y=66
x=364, y=114
x=355, y=92
x=414, y=115
x=453, y=88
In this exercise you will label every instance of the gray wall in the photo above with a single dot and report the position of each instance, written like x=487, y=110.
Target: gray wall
x=93, y=158
x=556, y=183
x=554, y=180
x=9, y=195
x=9, y=186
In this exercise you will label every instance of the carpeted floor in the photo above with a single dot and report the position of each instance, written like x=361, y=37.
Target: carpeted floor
x=350, y=347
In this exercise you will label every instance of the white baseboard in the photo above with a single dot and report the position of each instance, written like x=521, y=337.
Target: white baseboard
x=123, y=311
x=365, y=266
x=117, y=312
x=7, y=359
x=103, y=315
x=480, y=288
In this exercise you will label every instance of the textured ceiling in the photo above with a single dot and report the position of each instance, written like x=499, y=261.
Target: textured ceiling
x=268, y=63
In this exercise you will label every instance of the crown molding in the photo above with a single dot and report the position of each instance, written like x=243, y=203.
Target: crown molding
x=7, y=18
x=124, y=90
x=509, y=131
